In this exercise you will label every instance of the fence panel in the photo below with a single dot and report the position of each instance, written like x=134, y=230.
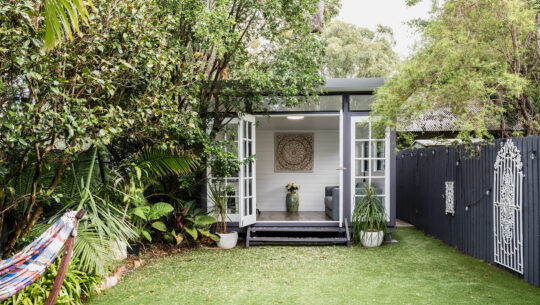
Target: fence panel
x=421, y=189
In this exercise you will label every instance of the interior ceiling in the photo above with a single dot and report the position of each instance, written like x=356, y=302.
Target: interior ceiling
x=307, y=123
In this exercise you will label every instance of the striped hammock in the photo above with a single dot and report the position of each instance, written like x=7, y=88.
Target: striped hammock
x=20, y=270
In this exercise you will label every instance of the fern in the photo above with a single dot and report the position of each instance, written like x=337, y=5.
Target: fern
x=157, y=162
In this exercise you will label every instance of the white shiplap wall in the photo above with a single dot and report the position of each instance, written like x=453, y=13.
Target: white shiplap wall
x=271, y=190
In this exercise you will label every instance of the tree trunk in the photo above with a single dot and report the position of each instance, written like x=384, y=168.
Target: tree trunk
x=21, y=224
x=33, y=221
x=538, y=34
x=2, y=204
x=317, y=21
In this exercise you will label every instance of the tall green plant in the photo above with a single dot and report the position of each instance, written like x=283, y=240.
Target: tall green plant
x=103, y=228
x=369, y=214
x=218, y=197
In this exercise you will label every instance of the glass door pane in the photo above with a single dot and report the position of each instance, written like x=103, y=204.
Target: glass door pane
x=247, y=175
x=369, y=161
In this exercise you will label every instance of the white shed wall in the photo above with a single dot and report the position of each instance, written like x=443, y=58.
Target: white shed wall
x=271, y=190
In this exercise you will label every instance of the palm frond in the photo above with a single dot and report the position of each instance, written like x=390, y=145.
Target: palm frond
x=157, y=162
x=103, y=224
x=92, y=251
x=62, y=18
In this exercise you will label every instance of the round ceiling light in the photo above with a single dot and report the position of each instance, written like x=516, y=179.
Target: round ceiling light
x=295, y=117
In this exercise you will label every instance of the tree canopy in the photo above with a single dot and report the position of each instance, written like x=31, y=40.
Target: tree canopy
x=358, y=52
x=480, y=60
x=165, y=73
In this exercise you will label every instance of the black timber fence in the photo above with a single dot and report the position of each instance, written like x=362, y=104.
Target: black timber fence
x=421, y=198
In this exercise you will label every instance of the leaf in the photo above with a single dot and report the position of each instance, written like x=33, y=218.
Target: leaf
x=139, y=212
x=208, y=234
x=179, y=239
x=160, y=226
x=191, y=231
x=168, y=237
x=147, y=235
x=203, y=220
x=159, y=210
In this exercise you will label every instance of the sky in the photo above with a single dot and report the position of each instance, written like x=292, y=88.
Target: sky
x=392, y=13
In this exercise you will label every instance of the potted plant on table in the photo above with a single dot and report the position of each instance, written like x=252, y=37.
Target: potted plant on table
x=218, y=196
x=369, y=219
x=292, y=200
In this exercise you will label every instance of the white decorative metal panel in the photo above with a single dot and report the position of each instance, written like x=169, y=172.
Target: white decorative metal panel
x=507, y=203
x=449, y=197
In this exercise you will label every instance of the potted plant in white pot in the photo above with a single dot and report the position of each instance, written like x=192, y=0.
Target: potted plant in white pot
x=218, y=196
x=369, y=219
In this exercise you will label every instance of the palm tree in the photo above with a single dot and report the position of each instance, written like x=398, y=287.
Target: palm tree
x=62, y=18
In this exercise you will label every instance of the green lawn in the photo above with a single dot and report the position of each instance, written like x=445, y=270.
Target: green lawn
x=418, y=270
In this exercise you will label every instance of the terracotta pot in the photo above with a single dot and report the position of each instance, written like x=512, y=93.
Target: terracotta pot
x=371, y=239
x=292, y=201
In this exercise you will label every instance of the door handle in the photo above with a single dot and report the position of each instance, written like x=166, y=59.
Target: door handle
x=341, y=169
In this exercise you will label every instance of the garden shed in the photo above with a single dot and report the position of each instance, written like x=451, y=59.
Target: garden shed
x=326, y=147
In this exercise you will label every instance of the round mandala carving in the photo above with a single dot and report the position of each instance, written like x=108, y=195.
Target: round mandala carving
x=294, y=152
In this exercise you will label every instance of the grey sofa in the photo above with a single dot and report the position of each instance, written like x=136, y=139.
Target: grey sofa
x=331, y=202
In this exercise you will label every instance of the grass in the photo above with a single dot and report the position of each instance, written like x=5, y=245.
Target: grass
x=418, y=270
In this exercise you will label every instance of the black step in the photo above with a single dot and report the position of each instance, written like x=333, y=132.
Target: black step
x=298, y=234
x=335, y=240
x=298, y=229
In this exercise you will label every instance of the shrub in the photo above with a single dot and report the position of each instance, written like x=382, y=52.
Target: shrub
x=77, y=286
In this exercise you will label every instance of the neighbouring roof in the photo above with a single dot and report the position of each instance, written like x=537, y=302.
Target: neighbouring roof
x=438, y=120
x=441, y=142
x=443, y=119
x=353, y=84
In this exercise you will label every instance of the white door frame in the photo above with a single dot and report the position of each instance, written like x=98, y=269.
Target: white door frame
x=241, y=216
x=247, y=198
x=387, y=154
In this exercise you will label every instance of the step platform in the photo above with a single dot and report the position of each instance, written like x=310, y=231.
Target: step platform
x=266, y=235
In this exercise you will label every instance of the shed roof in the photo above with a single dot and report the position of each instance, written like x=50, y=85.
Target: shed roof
x=353, y=84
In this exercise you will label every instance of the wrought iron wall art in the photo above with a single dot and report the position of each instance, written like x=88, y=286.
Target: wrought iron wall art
x=507, y=207
x=449, y=197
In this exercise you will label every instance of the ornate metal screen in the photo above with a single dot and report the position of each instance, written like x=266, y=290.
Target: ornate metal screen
x=449, y=197
x=507, y=211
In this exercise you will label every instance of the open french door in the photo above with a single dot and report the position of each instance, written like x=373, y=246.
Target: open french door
x=370, y=155
x=246, y=155
x=341, y=168
x=241, y=191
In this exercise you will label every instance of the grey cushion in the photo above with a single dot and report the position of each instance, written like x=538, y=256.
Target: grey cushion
x=328, y=190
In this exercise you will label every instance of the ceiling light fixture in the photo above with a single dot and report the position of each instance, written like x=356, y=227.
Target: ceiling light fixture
x=295, y=117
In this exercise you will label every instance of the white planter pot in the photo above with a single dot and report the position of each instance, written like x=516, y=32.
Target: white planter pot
x=119, y=250
x=371, y=239
x=227, y=240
